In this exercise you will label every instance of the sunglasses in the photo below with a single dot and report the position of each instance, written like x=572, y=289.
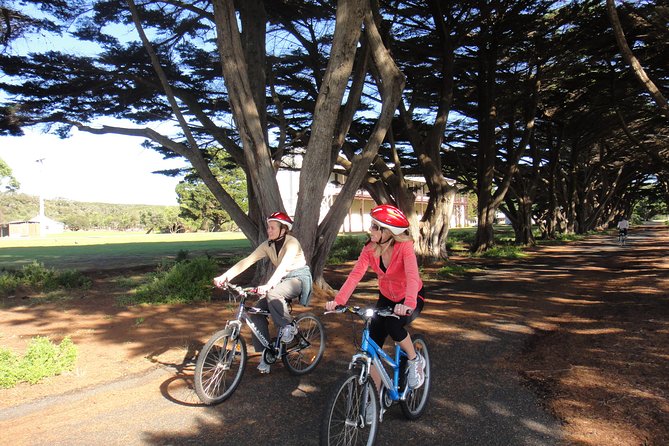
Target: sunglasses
x=375, y=227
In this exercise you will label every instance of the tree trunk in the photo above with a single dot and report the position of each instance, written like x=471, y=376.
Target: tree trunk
x=487, y=118
x=253, y=19
x=523, y=228
x=392, y=83
x=485, y=236
x=435, y=224
x=317, y=159
x=553, y=169
x=629, y=57
x=244, y=107
x=432, y=231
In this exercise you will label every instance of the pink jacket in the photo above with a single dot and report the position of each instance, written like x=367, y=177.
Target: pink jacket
x=401, y=279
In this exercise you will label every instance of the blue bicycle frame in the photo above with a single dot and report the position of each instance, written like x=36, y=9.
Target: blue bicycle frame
x=372, y=355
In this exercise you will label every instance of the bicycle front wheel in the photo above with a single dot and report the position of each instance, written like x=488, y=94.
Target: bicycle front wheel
x=351, y=415
x=307, y=352
x=219, y=367
x=416, y=400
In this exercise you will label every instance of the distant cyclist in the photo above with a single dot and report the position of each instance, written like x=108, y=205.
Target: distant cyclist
x=390, y=254
x=623, y=226
x=291, y=278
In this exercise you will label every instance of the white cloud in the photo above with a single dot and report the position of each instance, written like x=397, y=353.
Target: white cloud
x=93, y=168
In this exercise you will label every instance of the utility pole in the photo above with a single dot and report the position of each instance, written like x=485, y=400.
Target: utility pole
x=41, y=198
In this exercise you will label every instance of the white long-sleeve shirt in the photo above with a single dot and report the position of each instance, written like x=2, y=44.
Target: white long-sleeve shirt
x=289, y=258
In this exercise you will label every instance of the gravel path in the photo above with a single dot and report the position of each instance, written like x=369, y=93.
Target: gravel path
x=475, y=326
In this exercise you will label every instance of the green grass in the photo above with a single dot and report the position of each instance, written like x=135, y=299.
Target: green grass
x=505, y=252
x=455, y=271
x=43, y=358
x=105, y=250
x=460, y=239
x=563, y=238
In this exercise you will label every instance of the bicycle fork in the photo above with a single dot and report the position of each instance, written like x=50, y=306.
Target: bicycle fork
x=387, y=384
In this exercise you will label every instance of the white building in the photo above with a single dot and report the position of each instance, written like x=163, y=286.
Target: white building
x=358, y=219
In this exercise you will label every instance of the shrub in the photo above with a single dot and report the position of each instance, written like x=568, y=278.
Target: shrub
x=42, y=359
x=9, y=283
x=71, y=279
x=346, y=248
x=185, y=281
x=36, y=277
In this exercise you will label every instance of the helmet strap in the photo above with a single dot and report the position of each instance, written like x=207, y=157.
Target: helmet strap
x=282, y=235
x=383, y=242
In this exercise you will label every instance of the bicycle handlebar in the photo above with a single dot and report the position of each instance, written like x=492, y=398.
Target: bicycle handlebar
x=238, y=290
x=365, y=313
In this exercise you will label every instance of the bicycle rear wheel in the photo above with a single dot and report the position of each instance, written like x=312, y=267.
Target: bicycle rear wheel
x=344, y=419
x=219, y=367
x=307, y=352
x=417, y=399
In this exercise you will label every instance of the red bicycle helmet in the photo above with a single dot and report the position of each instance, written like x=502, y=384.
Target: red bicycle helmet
x=282, y=218
x=390, y=217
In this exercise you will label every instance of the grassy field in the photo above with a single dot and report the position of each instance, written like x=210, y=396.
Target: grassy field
x=109, y=250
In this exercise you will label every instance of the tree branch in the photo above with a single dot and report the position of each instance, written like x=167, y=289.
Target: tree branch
x=629, y=57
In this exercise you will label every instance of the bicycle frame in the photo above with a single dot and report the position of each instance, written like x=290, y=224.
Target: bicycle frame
x=356, y=405
x=374, y=356
x=243, y=318
x=221, y=362
x=622, y=236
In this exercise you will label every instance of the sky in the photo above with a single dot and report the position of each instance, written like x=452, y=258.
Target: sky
x=91, y=168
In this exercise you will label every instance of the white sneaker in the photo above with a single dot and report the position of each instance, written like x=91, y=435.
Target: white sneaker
x=263, y=367
x=416, y=376
x=288, y=333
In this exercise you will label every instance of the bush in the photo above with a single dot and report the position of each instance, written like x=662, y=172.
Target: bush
x=42, y=359
x=36, y=277
x=346, y=248
x=185, y=281
x=9, y=283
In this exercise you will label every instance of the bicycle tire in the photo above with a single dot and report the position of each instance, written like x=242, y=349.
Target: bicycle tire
x=416, y=401
x=305, y=355
x=342, y=423
x=217, y=372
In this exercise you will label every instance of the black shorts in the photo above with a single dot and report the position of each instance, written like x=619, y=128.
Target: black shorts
x=382, y=327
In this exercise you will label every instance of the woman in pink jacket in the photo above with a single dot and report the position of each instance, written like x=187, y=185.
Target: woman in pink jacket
x=391, y=255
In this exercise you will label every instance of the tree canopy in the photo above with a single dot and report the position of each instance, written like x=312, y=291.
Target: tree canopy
x=534, y=105
x=7, y=180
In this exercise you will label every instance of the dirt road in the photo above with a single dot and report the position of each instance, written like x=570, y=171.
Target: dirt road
x=133, y=383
